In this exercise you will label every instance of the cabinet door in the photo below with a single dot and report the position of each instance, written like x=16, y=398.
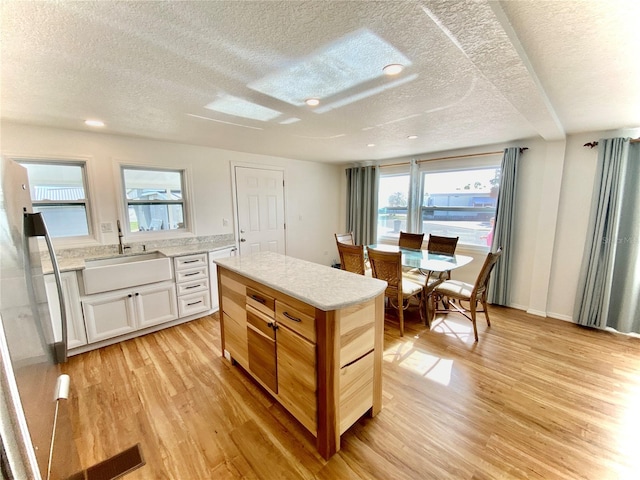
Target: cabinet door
x=235, y=340
x=297, y=383
x=156, y=304
x=109, y=315
x=76, y=333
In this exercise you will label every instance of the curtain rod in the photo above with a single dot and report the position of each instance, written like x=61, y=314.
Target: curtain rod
x=470, y=155
x=595, y=144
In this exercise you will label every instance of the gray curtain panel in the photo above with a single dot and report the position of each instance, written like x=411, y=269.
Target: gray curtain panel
x=362, y=203
x=500, y=283
x=609, y=286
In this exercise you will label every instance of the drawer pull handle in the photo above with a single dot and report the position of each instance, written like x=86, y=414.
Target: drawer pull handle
x=191, y=274
x=194, y=303
x=291, y=317
x=191, y=261
x=259, y=299
x=192, y=286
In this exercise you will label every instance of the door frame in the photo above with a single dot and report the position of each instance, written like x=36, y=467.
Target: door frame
x=234, y=195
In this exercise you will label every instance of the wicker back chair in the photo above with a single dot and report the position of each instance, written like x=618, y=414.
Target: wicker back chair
x=352, y=258
x=411, y=240
x=456, y=292
x=345, y=238
x=442, y=245
x=387, y=266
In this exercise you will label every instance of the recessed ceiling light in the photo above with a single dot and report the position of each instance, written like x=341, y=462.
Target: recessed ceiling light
x=312, y=102
x=412, y=137
x=393, y=69
x=94, y=123
x=371, y=144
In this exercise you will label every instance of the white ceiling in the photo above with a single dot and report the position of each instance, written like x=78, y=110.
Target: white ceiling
x=478, y=72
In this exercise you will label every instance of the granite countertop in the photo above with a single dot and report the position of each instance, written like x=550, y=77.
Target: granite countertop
x=323, y=287
x=68, y=264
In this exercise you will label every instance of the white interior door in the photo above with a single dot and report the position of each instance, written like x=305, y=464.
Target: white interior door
x=260, y=210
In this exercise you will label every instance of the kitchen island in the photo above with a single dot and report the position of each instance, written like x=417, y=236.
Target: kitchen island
x=311, y=335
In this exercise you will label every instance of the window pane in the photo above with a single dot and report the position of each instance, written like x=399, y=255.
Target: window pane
x=460, y=204
x=150, y=217
x=152, y=184
x=393, y=197
x=55, y=182
x=64, y=220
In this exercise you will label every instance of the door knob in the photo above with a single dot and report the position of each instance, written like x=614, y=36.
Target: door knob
x=243, y=240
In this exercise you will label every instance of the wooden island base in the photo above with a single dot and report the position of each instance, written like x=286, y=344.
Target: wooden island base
x=323, y=366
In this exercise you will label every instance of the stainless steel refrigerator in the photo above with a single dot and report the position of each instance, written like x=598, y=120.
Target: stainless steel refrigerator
x=37, y=441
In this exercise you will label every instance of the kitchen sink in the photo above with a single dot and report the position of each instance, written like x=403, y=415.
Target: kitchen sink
x=115, y=273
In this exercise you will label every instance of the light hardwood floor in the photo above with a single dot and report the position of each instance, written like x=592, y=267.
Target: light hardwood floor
x=535, y=398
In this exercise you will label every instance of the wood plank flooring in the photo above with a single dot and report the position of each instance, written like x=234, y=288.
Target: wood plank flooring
x=534, y=398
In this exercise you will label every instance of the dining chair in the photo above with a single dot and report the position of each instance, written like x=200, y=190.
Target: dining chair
x=352, y=258
x=443, y=246
x=344, y=238
x=387, y=266
x=411, y=240
x=456, y=292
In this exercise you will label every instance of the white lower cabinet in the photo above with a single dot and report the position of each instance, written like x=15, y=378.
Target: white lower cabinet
x=116, y=313
x=76, y=334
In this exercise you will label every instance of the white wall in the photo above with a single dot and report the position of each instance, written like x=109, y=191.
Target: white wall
x=312, y=191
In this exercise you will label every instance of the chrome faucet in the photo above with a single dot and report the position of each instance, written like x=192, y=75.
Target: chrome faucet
x=121, y=247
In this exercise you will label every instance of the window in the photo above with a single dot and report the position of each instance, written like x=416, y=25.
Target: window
x=393, y=196
x=58, y=190
x=455, y=203
x=154, y=199
x=460, y=203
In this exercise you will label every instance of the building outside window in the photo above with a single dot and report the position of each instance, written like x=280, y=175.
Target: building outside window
x=154, y=199
x=58, y=190
x=454, y=203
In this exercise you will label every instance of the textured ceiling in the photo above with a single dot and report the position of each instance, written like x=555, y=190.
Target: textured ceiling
x=478, y=72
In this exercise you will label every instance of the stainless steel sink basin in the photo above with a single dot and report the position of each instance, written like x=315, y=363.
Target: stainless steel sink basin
x=115, y=273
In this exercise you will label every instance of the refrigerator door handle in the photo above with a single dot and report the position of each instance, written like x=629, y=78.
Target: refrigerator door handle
x=35, y=226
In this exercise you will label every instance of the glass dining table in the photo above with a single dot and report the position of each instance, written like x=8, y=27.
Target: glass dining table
x=424, y=260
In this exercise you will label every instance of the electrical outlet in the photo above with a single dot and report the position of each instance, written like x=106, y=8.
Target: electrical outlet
x=106, y=227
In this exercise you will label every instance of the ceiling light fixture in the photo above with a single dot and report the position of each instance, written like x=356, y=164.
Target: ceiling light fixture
x=312, y=102
x=412, y=137
x=393, y=69
x=371, y=144
x=94, y=123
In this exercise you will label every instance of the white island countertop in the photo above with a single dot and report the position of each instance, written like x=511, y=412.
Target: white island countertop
x=323, y=287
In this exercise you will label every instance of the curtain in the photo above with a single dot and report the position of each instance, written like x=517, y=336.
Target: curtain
x=609, y=285
x=500, y=286
x=414, y=210
x=362, y=203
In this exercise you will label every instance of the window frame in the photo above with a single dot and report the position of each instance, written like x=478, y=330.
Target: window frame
x=184, y=202
x=439, y=166
x=84, y=164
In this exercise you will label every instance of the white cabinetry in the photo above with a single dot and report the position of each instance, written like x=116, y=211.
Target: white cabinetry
x=192, y=284
x=213, y=273
x=76, y=334
x=119, y=312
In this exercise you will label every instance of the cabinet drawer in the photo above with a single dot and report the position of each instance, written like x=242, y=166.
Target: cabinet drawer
x=260, y=301
x=195, y=303
x=190, y=261
x=297, y=321
x=192, y=274
x=187, y=288
x=261, y=322
x=356, y=390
